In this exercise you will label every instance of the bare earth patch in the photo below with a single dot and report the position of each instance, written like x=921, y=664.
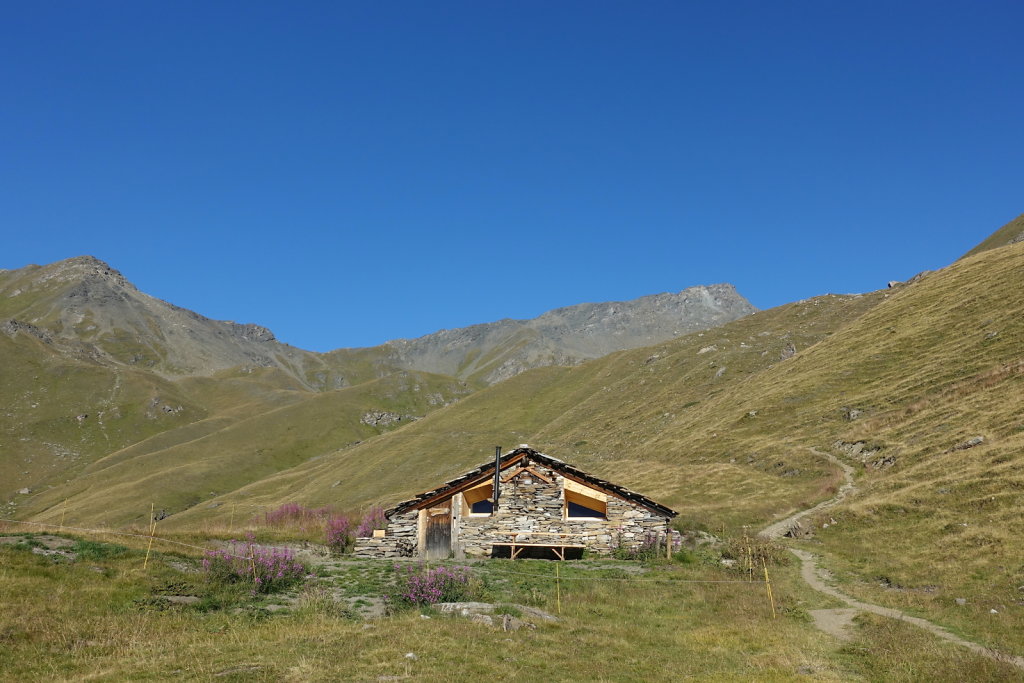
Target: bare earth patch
x=46, y=540
x=836, y=622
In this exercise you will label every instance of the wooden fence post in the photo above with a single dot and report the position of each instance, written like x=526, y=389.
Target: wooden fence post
x=768, y=586
x=558, y=588
x=152, y=532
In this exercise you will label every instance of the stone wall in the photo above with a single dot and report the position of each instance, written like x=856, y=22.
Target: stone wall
x=530, y=510
x=399, y=539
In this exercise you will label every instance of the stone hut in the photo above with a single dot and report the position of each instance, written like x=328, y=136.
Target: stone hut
x=543, y=508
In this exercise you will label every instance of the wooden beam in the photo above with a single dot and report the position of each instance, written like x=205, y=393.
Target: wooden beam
x=523, y=470
x=513, y=475
x=529, y=468
x=458, y=488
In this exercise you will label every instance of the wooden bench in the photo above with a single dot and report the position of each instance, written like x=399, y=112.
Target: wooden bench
x=558, y=547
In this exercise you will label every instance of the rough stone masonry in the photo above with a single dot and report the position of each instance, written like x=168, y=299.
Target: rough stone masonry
x=532, y=509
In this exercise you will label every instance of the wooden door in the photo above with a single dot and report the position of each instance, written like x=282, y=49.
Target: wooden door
x=439, y=531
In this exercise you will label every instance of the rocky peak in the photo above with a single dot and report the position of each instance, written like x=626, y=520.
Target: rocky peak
x=252, y=332
x=571, y=334
x=89, y=269
x=78, y=281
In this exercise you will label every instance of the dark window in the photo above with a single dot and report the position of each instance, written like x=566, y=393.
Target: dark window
x=577, y=510
x=482, y=507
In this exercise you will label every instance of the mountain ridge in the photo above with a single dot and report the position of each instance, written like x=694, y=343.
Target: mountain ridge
x=571, y=334
x=83, y=300
x=94, y=366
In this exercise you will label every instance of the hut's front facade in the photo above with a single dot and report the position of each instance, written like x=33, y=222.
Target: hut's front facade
x=544, y=507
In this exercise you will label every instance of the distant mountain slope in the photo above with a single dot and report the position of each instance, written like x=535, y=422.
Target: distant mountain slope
x=567, y=336
x=1011, y=233
x=196, y=462
x=86, y=308
x=84, y=301
x=94, y=370
x=601, y=416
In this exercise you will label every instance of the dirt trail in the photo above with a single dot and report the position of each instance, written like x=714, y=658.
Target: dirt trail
x=815, y=577
x=779, y=529
x=812, y=574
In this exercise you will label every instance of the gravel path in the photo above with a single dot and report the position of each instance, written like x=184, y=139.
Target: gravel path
x=779, y=529
x=812, y=574
x=836, y=622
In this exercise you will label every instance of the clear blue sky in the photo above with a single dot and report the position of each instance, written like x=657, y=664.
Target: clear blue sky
x=350, y=172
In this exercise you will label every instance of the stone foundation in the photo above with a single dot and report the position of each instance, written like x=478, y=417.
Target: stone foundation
x=399, y=539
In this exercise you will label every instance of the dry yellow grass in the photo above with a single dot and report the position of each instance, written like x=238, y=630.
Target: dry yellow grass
x=92, y=619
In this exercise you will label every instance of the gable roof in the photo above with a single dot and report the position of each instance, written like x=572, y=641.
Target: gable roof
x=486, y=471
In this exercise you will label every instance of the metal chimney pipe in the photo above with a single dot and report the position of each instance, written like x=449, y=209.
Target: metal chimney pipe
x=497, y=478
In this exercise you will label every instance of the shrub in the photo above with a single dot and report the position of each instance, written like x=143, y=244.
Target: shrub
x=754, y=550
x=267, y=569
x=374, y=519
x=417, y=586
x=296, y=515
x=650, y=547
x=338, y=532
x=321, y=601
x=93, y=550
x=684, y=556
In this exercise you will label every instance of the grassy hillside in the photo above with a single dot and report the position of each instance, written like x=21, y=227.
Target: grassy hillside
x=720, y=426
x=247, y=442
x=725, y=425
x=1011, y=233
x=599, y=416
x=62, y=413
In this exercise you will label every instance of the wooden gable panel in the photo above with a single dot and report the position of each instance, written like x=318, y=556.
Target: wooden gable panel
x=584, y=490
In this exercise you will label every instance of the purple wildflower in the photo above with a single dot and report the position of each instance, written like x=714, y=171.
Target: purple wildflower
x=417, y=585
x=267, y=568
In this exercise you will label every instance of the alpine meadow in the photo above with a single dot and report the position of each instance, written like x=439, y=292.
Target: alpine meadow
x=182, y=496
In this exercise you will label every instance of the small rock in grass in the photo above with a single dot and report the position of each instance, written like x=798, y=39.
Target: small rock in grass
x=182, y=599
x=961, y=601
x=484, y=619
x=411, y=655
